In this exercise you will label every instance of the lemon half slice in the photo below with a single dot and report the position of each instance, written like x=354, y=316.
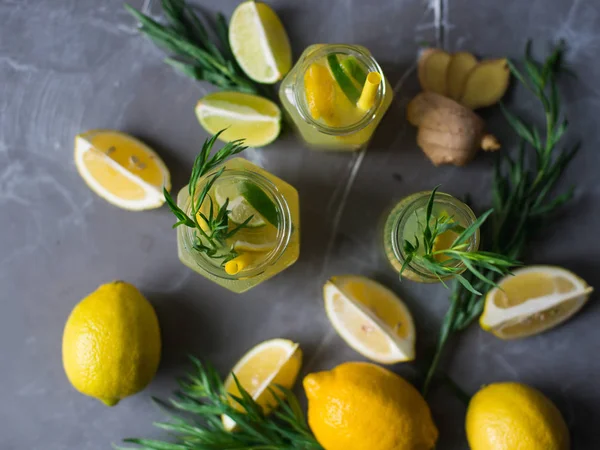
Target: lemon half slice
x=121, y=169
x=270, y=363
x=259, y=42
x=535, y=299
x=370, y=318
x=243, y=116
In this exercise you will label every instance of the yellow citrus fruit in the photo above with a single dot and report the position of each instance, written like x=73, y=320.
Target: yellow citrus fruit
x=121, y=169
x=320, y=91
x=370, y=318
x=243, y=116
x=534, y=300
x=359, y=406
x=509, y=416
x=270, y=363
x=111, y=343
x=259, y=42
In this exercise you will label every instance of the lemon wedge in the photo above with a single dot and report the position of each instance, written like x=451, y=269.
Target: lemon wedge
x=370, y=318
x=259, y=42
x=535, y=299
x=243, y=116
x=270, y=363
x=121, y=169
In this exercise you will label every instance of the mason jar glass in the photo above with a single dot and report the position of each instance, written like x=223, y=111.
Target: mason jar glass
x=354, y=131
x=407, y=219
x=273, y=247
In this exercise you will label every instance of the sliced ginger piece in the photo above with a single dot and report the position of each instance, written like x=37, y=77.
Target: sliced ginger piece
x=449, y=133
x=459, y=67
x=432, y=67
x=486, y=83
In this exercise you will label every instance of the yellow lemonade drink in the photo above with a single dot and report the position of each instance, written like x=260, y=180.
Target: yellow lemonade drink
x=263, y=223
x=407, y=220
x=336, y=96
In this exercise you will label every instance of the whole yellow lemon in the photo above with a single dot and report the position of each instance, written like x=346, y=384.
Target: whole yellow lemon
x=508, y=416
x=359, y=406
x=111, y=343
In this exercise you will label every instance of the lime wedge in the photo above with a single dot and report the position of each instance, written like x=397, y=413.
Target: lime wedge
x=240, y=211
x=261, y=202
x=259, y=42
x=354, y=69
x=243, y=116
x=343, y=80
x=238, y=207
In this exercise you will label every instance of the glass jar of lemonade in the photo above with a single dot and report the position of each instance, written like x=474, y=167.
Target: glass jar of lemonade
x=407, y=220
x=336, y=95
x=268, y=243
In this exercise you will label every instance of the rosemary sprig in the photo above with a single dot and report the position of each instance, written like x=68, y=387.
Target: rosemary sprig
x=196, y=53
x=196, y=419
x=452, y=261
x=210, y=236
x=521, y=191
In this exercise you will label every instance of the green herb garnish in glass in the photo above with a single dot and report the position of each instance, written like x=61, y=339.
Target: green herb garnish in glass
x=237, y=224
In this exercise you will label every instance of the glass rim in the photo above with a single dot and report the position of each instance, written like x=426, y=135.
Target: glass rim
x=284, y=229
x=421, y=201
x=365, y=58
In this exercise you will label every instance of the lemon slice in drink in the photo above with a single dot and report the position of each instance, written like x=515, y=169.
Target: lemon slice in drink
x=319, y=88
x=534, y=300
x=121, y=169
x=273, y=362
x=370, y=318
x=243, y=116
x=259, y=42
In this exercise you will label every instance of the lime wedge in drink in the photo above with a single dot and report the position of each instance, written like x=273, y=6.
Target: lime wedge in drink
x=346, y=84
x=261, y=202
x=353, y=68
x=239, y=209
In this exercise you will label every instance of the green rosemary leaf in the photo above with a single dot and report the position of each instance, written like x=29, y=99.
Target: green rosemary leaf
x=467, y=285
x=222, y=32
x=518, y=125
x=534, y=74
x=405, y=264
x=558, y=133
x=427, y=234
x=239, y=227
x=517, y=74
x=554, y=204
x=471, y=229
x=178, y=212
x=294, y=405
x=471, y=268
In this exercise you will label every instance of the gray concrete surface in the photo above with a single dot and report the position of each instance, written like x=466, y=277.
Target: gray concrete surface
x=71, y=65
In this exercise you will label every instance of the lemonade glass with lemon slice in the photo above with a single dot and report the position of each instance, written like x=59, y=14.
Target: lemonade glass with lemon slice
x=336, y=96
x=266, y=245
x=407, y=219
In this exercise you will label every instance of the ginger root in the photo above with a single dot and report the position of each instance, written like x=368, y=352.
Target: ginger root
x=449, y=133
x=486, y=83
x=432, y=67
x=460, y=65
